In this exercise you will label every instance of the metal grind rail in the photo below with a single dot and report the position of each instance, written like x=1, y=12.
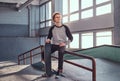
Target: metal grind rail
x=23, y=57
x=93, y=69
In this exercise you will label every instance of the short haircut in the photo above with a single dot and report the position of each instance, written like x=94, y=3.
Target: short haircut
x=54, y=14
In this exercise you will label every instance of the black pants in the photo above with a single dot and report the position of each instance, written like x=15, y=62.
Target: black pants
x=48, y=56
x=60, y=54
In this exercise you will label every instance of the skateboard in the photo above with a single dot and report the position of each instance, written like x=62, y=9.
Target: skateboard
x=47, y=58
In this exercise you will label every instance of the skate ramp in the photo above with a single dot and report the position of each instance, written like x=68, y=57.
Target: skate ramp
x=106, y=70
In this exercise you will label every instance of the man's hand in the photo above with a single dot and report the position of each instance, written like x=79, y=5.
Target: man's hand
x=48, y=41
x=62, y=44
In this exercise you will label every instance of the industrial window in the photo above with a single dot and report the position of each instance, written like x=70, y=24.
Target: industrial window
x=103, y=38
x=87, y=14
x=65, y=7
x=74, y=10
x=74, y=17
x=45, y=15
x=74, y=5
x=48, y=23
x=103, y=9
x=101, y=1
x=48, y=11
x=42, y=40
x=75, y=42
x=86, y=40
x=65, y=19
x=70, y=10
x=86, y=9
x=42, y=16
x=86, y=3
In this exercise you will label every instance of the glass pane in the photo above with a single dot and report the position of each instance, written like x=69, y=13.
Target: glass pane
x=103, y=9
x=48, y=11
x=67, y=44
x=48, y=23
x=74, y=17
x=87, y=13
x=101, y=1
x=74, y=5
x=42, y=25
x=87, y=40
x=105, y=33
x=42, y=14
x=75, y=42
x=104, y=38
x=42, y=40
x=65, y=7
x=65, y=19
x=86, y=3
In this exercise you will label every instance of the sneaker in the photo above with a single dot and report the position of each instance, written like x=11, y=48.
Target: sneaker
x=54, y=71
x=57, y=77
x=60, y=73
x=57, y=74
x=43, y=62
x=60, y=70
x=45, y=75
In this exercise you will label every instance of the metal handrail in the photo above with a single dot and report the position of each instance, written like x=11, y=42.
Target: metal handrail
x=22, y=57
x=93, y=69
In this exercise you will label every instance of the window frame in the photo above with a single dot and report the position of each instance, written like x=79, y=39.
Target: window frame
x=94, y=37
x=94, y=7
x=45, y=14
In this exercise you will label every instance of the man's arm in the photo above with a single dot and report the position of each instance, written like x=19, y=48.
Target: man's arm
x=49, y=35
x=68, y=33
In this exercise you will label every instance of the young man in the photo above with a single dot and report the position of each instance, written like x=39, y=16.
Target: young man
x=59, y=33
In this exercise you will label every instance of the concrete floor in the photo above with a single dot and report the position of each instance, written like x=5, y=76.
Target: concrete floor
x=106, y=71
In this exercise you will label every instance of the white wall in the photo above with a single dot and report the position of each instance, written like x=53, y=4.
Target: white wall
x=98, y=22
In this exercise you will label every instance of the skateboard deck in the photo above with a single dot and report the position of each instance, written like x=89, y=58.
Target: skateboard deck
x=47, y=58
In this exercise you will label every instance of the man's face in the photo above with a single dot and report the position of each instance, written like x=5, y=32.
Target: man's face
x=58, y=18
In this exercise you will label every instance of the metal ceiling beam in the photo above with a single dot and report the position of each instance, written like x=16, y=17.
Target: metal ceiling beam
x=9, y=5
x=24, y=5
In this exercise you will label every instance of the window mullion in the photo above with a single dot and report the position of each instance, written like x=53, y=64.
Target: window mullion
x=68, y=10
x=94, y=8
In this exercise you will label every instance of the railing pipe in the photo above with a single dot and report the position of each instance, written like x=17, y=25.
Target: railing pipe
x=24, y=59
x=18, y=60
x=93, y=63
x=93, y=69
x=31, y=57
